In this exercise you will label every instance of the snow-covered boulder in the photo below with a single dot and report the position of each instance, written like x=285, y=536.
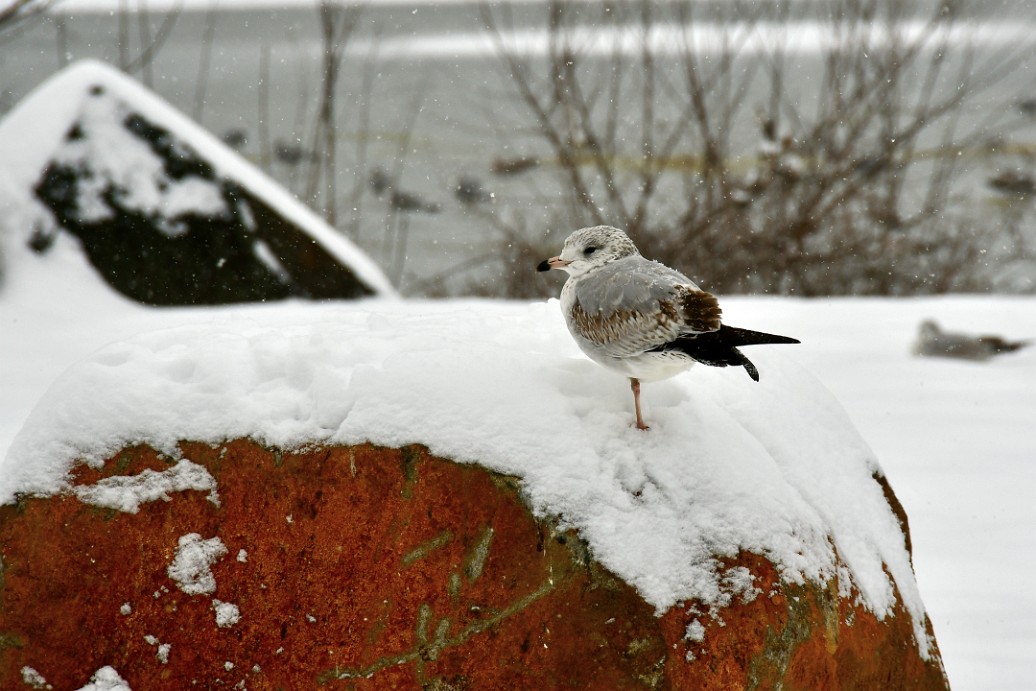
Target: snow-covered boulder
x=166, y=213
x=449, y=496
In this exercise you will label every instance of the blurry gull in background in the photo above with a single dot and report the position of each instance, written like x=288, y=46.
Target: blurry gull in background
x=934, y=342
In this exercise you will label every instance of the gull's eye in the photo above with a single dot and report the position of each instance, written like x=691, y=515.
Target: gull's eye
x=588, y=251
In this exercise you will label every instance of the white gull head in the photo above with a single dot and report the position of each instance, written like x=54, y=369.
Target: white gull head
x=591, y=248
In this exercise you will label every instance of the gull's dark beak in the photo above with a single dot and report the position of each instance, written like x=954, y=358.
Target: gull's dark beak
x=552, y=263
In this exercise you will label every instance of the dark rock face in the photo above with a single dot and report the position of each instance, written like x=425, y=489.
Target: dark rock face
x=137, y=226
x=374, y=568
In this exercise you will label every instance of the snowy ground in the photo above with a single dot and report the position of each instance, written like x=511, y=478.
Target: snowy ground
x=953, y=437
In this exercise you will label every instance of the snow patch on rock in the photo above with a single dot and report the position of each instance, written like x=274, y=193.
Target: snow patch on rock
x=128, y=492
x=191, y=569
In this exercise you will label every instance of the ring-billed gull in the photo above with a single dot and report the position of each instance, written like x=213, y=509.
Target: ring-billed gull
x=641, y=318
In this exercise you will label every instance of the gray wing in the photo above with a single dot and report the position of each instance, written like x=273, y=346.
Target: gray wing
x=633, y=305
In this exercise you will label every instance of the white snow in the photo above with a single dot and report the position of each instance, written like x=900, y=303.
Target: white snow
x=161, y=651
x=106, y=679
x=132, y=167
x=191, y=569
x=227, y=613
x=695, y=632
x=266, y=255
x=31, y=136
x=128, y=492
x=33, y=679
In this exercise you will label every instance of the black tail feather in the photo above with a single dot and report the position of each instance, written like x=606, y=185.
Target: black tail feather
x=739, y=337
x=748, y=365
x=720, y=348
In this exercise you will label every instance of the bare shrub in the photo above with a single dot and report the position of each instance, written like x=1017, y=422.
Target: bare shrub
x=705, y=132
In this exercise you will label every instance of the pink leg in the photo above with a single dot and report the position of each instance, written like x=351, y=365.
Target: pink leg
x=635, y=385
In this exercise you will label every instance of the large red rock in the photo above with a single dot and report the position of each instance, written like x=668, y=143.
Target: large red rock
x=375, y=568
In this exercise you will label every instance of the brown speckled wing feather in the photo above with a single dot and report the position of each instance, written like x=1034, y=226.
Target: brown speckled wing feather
x=699, y=310
x=677, y=311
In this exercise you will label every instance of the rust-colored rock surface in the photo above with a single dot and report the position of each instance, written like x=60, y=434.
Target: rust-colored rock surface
x=374, y=568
